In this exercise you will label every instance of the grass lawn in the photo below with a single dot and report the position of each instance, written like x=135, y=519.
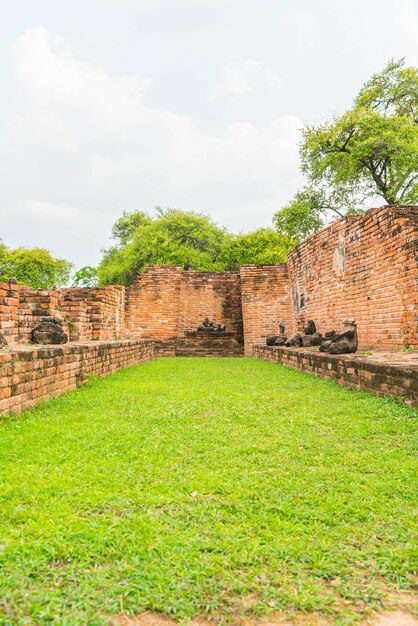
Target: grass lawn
x=213, y=487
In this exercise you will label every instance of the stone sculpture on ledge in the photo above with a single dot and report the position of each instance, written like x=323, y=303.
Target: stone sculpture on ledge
x=311, y=336
x=49, y=331
x=345, y=342
x=209, y=326
x=294, y=341
x=277, y=340
x=3, y=342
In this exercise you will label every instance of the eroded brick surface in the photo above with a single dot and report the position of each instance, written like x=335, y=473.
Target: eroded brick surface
x=30, y=374
x=381, y=376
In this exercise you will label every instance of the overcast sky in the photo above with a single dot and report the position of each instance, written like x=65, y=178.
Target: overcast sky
x=112, y=105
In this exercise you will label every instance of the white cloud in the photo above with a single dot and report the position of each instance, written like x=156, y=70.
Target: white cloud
x=83, y=145
x=241, y=79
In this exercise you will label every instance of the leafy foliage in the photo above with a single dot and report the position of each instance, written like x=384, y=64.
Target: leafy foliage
x=86, y=277
x=263, y=246
x=33, y=266
x=371, y=150
x=189, y=239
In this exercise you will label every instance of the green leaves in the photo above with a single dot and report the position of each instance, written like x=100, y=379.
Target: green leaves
x=33, y=266
x=189, y=239
x=85, y=277
x=371, y=150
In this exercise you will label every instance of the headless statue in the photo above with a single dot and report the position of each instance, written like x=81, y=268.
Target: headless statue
x=345, y=342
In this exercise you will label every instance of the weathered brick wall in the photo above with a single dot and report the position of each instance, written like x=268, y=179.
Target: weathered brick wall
x=364, y=267
x=216, y=295
x=9, y=311
x=380, y=379
x=94, y=313
x=33, y=305
x=29, y=375
x=22, y=308
x=167, y=303
x=265, y=302
x=152, y=306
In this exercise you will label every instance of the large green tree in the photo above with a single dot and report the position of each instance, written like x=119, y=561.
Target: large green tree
x=35, y=267
x=189, y=239
x=368, y=152
x=264, y=246
x=176, y=237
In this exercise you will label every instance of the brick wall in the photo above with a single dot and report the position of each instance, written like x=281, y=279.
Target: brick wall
x=380, y=379
x=94, y=313
x=364, y=267
x=29, y=375
x=265, y=302
x=152, y=306
x=168, y=303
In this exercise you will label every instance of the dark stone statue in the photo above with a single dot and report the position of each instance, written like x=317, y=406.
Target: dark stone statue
x=49, y=331
x=207, y=325
x=345, y=342
x=277, y=340
x=310, y=328
x=326, y=341
x=210, y=327
x=3, y=342
x=310, y=340
x=294, y=341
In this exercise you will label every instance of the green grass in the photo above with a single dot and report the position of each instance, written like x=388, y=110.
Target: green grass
x=215, y=487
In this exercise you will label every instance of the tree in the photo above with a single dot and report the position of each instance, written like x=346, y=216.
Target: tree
x=176, y=237
x=86, y=277
x=371, y=150
x=189, y=239
x=263, y=246
x=35, y=267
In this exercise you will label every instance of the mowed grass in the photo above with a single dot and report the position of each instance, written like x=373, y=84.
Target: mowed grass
x=214, y=487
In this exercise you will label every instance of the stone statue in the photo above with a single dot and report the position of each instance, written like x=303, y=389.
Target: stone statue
x=277, y=340
x=345, y=342
x=207, y=325
x=3, y=342
x=310, y=328
x=311, y=336
x=49, y=331
x=294, y=341
x=311, y=340
x=326, y=341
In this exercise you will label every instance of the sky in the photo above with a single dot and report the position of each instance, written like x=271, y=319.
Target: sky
x=113, y=105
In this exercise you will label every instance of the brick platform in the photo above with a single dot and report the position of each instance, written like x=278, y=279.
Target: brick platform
x=382, y=374
x=29, y=375
x=209, y=344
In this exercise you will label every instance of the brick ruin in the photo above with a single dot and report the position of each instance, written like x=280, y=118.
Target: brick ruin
x=364, y=267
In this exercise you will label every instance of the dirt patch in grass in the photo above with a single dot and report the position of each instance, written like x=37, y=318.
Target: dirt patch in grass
x=389, y=618
x=396, y=610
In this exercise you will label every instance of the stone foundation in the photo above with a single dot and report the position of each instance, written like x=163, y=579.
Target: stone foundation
x=208, y=344
x=29, y=375
x=388, y=375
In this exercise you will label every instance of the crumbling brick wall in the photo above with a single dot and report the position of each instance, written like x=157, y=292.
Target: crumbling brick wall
x=265, y=302
x=94, y=313
x=167, y=302
x=363, y=267
x=152, y=306
x=31, y=374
